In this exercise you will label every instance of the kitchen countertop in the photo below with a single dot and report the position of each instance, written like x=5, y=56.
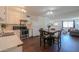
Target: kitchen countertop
x=6, y=34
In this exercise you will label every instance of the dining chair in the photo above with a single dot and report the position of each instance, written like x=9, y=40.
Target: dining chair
x=45, y=38
x=41, y=36
x=57, y=39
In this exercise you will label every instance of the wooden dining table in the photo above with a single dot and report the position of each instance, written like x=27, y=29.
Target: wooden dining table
x=51, y=33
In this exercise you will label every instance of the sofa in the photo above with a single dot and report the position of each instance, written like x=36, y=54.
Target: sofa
x=74, y=32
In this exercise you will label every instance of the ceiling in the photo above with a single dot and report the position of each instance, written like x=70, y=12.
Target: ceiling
x=57, y=10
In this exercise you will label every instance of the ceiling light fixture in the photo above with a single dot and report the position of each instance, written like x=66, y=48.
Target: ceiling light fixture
x=49, y=13
x=21, y=9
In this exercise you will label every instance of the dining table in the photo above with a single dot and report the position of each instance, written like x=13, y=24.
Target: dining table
x=50, y=33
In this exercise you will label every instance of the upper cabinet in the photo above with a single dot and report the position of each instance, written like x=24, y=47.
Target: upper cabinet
x=12, y=14
x=2, y=14
x=15, y=14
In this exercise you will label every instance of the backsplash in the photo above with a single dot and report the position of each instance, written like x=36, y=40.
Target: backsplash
x=8, y=27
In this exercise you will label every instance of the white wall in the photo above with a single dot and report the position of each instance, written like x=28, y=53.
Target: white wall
x=37, y=23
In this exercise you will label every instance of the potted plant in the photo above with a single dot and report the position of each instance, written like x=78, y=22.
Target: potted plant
x=3, y=26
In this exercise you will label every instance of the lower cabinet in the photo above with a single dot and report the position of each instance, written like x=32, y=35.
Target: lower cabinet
x=14, y=49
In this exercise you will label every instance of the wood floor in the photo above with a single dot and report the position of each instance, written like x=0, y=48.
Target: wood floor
x=33, y=45
x=68, y=44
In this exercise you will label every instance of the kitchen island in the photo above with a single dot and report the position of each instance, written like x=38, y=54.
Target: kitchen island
x=10, y=42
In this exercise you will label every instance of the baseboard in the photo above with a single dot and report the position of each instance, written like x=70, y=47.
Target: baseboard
x=34, y=36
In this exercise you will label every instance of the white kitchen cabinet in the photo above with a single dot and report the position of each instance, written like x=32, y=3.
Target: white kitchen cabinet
x=9, y=42
x=14, y=15
x=2, y=14
x=15, y=49
x=11, y=15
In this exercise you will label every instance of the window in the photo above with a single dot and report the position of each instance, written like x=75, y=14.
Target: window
x=68, y=24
